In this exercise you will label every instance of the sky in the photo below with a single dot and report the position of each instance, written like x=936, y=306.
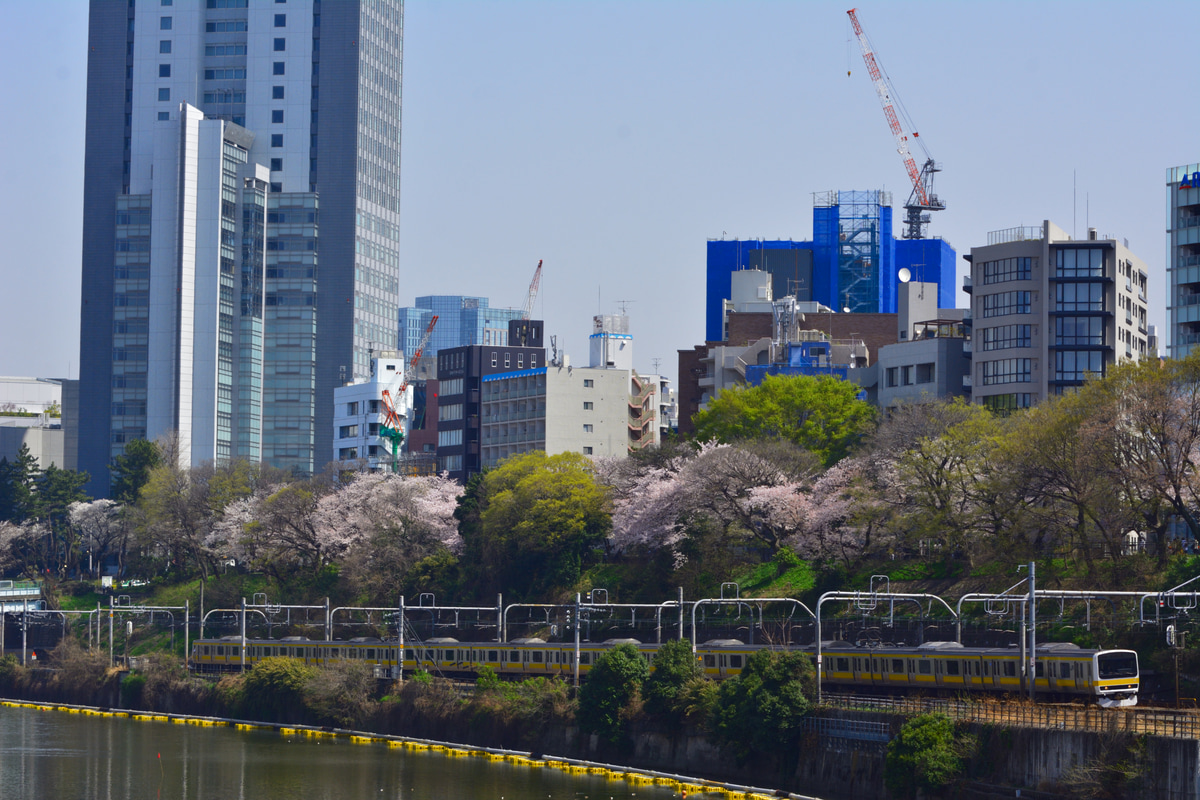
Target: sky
x=612, y=139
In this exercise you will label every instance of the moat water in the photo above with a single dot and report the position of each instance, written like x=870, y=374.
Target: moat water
x=49, y=755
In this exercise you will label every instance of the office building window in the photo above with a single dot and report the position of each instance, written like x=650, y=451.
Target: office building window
x=588, y=383
x=276, y=164
x=1003, y=303
x=281, y=20
x=276, y=92
x=1003, y=404
x=280, y=45
x=507, y=359
x=520, y=361
x=278, y=187
x=164, y=70
x=164, y=94
x=277, y=68
x=1075, y=331
x=164, y=116
x=1006, y=336
x=587, y=405
x=164, y=23
x=164, y=46
x=587, y=451
x=1007, y=269
x=277, y=115
x=893, y=377
x=1077, y=365
x=1079, y=296
x=1087, y=262
x=587, y=428
x=533, y=360
x=1007, y=370
x=276, y=140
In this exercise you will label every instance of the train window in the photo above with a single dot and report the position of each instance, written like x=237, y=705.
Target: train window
x=515, y=656
x=1064, y=670
x=710, y=661
x=923, y=667
x=537, y=657
x=204, y=650
x=409, y=655
x=493, y=655
x=735, y=661
x=951, y=667
x=1010, y=669
x=986, y=666
x=220, y=650
x=585, y=658
x=897, y=665
x=1041, y=669
x=843, y=665
x=371, y=653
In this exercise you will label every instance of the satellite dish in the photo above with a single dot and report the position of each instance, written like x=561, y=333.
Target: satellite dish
x=1170, y=636
x=846, y=309
x=905, y=275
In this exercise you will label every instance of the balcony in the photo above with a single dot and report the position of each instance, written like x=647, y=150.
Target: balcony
x=967, y=382
x=968, y=349
x=968, y=284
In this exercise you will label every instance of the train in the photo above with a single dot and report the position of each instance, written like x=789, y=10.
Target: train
x=1063, y=670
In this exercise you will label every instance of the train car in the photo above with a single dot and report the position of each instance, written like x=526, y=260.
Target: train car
x=1063, y=670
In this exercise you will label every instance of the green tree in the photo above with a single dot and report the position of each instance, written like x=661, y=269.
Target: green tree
x=18, y=486
x=131, y=470
x=532, y=524
x=275, y=690
x=612, y=682
x=924, y=756
x=674, y=666
x=821, y=414
x=760, y=709
x=56, y=490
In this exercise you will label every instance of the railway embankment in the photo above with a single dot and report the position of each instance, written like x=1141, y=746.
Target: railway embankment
x=1043, y=751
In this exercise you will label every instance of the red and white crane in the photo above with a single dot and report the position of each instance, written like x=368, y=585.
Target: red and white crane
x=533, y=290
x=922, y=199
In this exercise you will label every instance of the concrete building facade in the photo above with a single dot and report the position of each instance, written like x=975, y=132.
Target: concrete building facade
x=1048, y=311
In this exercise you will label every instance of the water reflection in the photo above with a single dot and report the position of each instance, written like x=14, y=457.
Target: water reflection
x=47, y=754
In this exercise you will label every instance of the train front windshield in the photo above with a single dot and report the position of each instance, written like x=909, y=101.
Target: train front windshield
x=1117, y=665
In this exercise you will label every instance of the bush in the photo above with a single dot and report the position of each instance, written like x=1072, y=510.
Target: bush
x=132, y=689
x=613, y=681
x=10, y=672
x=674, y=666
x=760, y=709
x=924, y=756
x=341, y=694
x=275, y=689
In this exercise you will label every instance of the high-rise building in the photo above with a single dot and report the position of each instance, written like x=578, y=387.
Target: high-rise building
x=462, y=321
x=1183, y=259
x=1049, y=311
x=241, y=219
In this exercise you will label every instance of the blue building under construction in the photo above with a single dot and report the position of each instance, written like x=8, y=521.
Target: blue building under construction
x=853, y=263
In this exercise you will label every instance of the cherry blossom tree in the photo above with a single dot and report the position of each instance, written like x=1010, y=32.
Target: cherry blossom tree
x=104, y=529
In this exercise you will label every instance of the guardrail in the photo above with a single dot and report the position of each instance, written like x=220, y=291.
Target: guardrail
x=1155, y=721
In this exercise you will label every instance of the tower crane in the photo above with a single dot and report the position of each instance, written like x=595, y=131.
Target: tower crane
x=922, y=199
x=393, y=427
x=533, y=290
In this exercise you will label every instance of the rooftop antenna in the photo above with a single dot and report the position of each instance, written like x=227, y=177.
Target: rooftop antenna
x=624, y=306
x=655, y=362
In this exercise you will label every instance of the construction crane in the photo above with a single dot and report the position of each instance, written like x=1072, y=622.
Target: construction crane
x=922, y=199
x=533, y=290
x=393, y=428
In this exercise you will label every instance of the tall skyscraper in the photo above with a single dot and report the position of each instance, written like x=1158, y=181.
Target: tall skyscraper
x=241, y=220
x=461, y=321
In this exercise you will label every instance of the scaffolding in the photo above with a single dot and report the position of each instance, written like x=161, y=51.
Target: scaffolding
x=853, y=229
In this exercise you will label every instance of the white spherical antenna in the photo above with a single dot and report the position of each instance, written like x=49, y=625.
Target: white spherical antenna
x=905, y=275
x=846, y=309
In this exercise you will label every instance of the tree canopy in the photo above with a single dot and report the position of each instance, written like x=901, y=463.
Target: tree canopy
x=821, y=414
x=531, y=525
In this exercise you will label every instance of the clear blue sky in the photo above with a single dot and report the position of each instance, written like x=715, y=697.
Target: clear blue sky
x=612, y=138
